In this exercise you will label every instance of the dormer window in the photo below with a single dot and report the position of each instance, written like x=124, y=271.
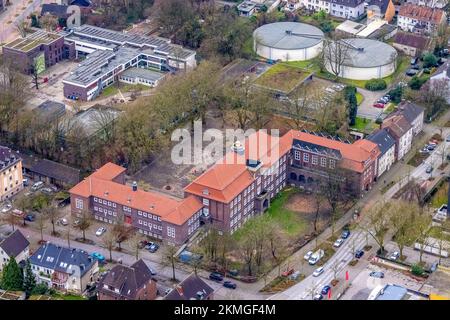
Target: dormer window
x=205, y=192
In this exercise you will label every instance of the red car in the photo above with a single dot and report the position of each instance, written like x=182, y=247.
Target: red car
x=287, y=272
x=378, y=105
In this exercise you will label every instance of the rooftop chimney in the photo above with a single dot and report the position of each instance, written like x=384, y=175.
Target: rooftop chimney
x=135, y=186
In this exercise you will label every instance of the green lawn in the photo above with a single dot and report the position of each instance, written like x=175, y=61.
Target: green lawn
x=359, y=98
x=113, y=89
x=440, y=197
x=364, y=125
x=68, y=296
x=281, y=77
x=291, y=222
x=436, y=233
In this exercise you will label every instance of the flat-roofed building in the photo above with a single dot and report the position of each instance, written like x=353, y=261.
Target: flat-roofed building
x=39, y=49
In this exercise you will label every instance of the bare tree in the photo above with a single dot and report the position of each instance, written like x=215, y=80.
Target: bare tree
x=12, y=219
x=378, y=222
x=135, y=243
x=41, y=220
x=84, y=222
x=53, y=215
x=169, y=258
x=402, y=215
x=108, y=241
x=49, y=22
x=335, y=54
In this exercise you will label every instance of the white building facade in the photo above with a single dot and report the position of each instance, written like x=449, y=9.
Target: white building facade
x=352, y=9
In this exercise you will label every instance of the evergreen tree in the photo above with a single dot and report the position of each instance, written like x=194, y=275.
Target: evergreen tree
x=29, y=281
x=12, y=277
x=352, y=109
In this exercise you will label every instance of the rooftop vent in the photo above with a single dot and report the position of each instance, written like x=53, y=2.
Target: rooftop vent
x=135, y=186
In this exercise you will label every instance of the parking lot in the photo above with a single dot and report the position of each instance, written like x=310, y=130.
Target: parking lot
x=363, y=284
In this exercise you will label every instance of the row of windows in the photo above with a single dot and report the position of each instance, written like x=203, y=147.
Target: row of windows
x=147, y=215
x=109, y=212
x=314, y=159
x=104, y=219
x=151, y=234
x=149, y=225
x=193, y=227
x=105, y=202
x=194, y=218
x=171, y=232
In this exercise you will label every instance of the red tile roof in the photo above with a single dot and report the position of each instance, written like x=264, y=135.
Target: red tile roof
x=99, y=185
x=421, y=13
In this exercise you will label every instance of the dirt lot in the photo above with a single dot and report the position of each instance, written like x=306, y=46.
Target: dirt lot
x=304, y=203
x=282, y=78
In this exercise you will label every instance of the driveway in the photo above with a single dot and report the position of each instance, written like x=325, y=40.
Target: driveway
x=366, y=108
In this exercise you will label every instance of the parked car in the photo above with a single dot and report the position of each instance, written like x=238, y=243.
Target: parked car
x=98, y=256
x=318, y=271
x=431, y=147
x=308, y=255
x=216, y=276
x=359, y=254
x=377, y=274
x=153, y=248
x=100, y=231
x=37, y=186
x=325, y=289
x=18, y=213
x=148, y=245
x=414, y=60
x=318, y=297
x=338, y=243
x=30, y=217
x=411, y=72
x=287, y=272
x=6, y=208
x=46, y=190
x=378, y=105
x=25, y=182
x=429, y=169
x=345, y=234
x=63, y=221
x=153, y=272
x=295, y=275
x=415, y=67
x=395, y=255
x=229, y=285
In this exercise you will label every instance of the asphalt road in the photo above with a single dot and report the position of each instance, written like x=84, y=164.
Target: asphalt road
x=304, y=289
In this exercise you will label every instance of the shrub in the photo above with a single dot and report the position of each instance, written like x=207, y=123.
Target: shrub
x=396, y=94
x=416, y=83
x=375, y=84
x=429, y=60
x=417, y=270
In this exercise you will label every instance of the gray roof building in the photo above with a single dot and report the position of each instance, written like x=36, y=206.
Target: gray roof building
x=346, y=3
x=191, y=288
x=14, y=244
x=50, y=110
x=383, y=139
x=124, y=282
x=7, y=157
x=410, y=110
x=142, y=73
x=60, y=173
x=62, y=259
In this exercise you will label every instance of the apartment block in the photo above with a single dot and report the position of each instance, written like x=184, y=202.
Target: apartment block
x=11, y=179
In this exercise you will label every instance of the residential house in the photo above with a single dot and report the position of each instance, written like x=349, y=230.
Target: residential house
x=402, y=131
x=55, y=173
x=191, y=288
x=11, y=179
x=346, y=9
x=128, y=283
x=14, y=246
x=411, y=44
x=419, y=19
x=439, y=4
x=386, y=144
x=63, y=268
x=248, y=8
x=413, y=113
x=380, y=9
x=292, y=5
x=441, y=77
x=105, y=194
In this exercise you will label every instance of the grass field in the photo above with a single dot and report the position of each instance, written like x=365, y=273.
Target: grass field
x=113, y=89
x=359, y=98
x=291, y=222
x=281, y=77
x=309, y=65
